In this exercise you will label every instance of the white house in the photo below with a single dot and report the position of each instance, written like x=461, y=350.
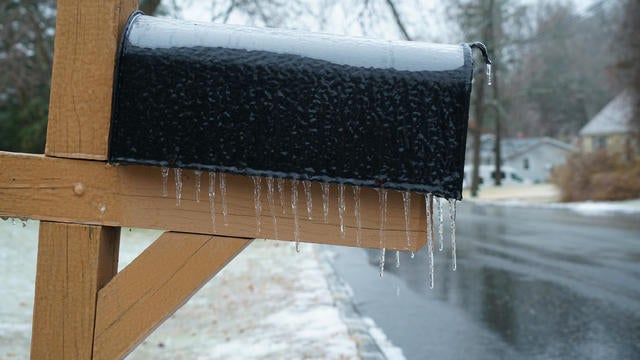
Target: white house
x=533, y=159
x=536, y=160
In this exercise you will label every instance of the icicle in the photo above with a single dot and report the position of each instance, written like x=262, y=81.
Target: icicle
x=428, y=202
x=397, y=259
x=382, y=198
x=431, y=265
x=307, y=193
x=280, y=182
x=452, y=216
x=356, y=210
x=212, y=198
x=223, y=195
x=341, y=208
x=165, y=175
x=325, y=201
x=406, y=202
x=294, y=211
x=177, y=173
x=198, y=174
x=480, y=46
x=272, y=205
x=383, y=254
x=257, y=202
x=441, y=224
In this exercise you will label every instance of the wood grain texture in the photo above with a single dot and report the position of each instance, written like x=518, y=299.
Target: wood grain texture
x=74, y=262
x=155, y=285
x=86, y=43
x=41, y=187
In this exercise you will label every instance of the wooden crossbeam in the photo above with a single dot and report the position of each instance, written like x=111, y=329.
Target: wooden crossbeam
x=92, y=192
x=154, y=286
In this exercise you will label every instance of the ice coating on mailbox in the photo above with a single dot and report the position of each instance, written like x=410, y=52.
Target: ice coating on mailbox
x=288, y=104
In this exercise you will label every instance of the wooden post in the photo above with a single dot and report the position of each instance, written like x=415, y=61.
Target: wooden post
x=86, y=43
x=74, y=262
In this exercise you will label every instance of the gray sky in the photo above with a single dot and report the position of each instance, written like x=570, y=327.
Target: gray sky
x=424, y=17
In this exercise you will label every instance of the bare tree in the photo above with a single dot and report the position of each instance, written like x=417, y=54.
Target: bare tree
x=149, y=7
x=562, y=78
x=26, y=49
x=483, y=20
x=398, y=20
x=629, y=53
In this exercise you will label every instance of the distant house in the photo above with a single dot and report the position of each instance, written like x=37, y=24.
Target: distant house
x=610, y=129
x=536, y=158
x=532, y=159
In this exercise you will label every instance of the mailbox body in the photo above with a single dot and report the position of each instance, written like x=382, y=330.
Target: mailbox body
x=289, y=104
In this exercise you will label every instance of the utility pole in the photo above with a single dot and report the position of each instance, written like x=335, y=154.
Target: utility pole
x=487, y=34
x=477, y=133
x=495, y=43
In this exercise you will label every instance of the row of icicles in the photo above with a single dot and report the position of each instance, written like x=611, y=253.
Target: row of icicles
x=279, y=184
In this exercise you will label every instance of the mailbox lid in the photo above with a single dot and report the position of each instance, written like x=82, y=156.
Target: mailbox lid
x=292, y=104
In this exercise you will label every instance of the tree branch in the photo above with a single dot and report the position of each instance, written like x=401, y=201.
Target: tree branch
x=399, y=22
x=149, y=7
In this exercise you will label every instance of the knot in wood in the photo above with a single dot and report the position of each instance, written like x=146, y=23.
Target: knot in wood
x=78, y=189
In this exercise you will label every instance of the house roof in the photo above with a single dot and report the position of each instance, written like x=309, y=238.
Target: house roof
x=532, y=143
x=614, y=118
x=510, y=147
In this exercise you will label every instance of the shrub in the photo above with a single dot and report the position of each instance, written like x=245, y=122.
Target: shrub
x=597, y=176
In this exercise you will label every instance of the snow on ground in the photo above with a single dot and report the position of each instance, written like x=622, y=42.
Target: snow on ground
x=546, y=196
x=18, y=249
x=602, y=207
x=391, y=352
x=373, y=344
x=268, y=303
x=593, y=208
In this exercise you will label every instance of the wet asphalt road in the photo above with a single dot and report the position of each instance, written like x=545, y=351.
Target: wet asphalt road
x=531, y=284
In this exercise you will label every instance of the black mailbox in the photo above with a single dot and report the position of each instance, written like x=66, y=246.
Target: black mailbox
x=291, y=104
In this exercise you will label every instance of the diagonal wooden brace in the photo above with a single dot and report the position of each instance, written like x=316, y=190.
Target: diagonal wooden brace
x=82, y=311
x=154, y=286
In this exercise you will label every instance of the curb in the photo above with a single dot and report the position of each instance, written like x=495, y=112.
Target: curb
x=342, y=295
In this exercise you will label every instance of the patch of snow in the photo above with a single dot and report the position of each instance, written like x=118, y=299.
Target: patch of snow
x=604, y=207
x=391, y=351
x=268, y=303
x=590, y=208
x=18, y=249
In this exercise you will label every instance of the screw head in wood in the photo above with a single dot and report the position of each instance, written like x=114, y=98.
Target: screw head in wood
x=78, y=189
